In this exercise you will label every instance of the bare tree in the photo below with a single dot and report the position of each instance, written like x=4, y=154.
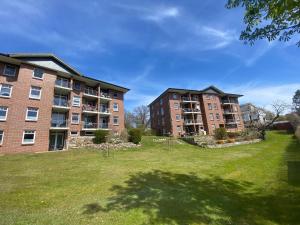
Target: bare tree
x=279, y=108
x=142, y=116
x=129, y=119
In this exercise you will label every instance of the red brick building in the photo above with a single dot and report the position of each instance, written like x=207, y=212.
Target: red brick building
x=181, y=111
x=44, y=102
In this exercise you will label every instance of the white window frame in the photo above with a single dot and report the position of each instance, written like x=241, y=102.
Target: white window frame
x=31, y=109
x=9, y=75
x=208, y=105
x=161, y=101
x=79, y=102
x=117, y=108
x=218, y=116
x=6, y=113
x=115, y=117
x=211, y=117
x=176, y=105
x=28, y=143
x=73, y=121
x=178, y=129
x=178, y=117
x=39, y=78
x=2, y=135
x=34, y=97
x=11, y=87
x=174, y=96
x=73, y=135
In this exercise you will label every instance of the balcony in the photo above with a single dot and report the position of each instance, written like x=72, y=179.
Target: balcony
x=188, y=99
x=63, y=84
x=89, y=109
x=60, y=104
x=59, y=125
x=191, y=122
x=105, y=96
x=94, y=126
x=88, y=92
x=104, y=111
x=229, y=102
x=226, y=112
x=189, y=110
x=230, y=121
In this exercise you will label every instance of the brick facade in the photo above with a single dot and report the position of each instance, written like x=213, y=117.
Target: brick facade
x=17, y=104
x=192, y=112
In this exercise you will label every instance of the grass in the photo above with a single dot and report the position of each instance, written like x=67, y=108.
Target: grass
x=154, y=184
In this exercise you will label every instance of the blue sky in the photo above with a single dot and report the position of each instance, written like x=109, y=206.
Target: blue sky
x=150, y=45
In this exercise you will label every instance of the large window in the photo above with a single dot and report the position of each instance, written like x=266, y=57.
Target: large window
x=116, y=120
x=38, y=73
x=32, y=114
x=3, y=113
x=215, y=106
x=211, y=116
x=217, y=116
x=209, y=106
x=77, y=85
x=1, y=136
x=116, y=107
x=177, y=117
x=176, y=105
x=10, y=71
x=5, y=90
x=76, y=101
x=35, y=92
x=75, y=118
x=28, y=137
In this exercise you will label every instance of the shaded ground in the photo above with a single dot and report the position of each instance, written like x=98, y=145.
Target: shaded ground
x=156, y=184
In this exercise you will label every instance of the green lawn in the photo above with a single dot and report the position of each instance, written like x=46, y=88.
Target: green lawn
x=153, y=184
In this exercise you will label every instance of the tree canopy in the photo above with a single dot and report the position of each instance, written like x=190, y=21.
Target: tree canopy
x=296, y=102
x=269, y=19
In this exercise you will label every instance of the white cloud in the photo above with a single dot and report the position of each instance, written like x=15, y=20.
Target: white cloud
x=161, y=13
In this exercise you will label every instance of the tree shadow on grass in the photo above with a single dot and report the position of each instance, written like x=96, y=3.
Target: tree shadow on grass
x=92, y=208
x=171, y=198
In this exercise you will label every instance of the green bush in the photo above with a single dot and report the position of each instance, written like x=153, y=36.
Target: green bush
x=220, y=133
x=233, y=134
x=100, y=136
x=297, y=133
x=135, y=135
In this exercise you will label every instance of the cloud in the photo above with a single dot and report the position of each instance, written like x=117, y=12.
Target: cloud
x=260, y=52
x=162, y=13
x=265, y=95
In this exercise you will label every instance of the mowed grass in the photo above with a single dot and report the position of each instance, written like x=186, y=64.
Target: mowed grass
x=154, y=184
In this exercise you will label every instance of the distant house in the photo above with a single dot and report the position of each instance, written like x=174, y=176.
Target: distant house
x=282, y=125
x=251, y=113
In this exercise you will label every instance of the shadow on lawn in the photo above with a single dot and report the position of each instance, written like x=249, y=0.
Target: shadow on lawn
x=171, y=198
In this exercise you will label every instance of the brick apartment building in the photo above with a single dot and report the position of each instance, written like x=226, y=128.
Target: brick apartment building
x=181, y=111
x=44, y=102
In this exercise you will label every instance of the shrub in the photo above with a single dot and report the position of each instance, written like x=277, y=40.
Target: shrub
x=233, y=134
x=297, y=133
x=124, y=135
x=220, y=133
x=135, y=135
x=220, y=141
x=100, y=136
x=231, y=140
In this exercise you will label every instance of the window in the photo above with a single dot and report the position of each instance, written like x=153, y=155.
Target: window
x=215, y=106
x=177, y=117
x=235, y=109
x=115, y=95
x=76, y=101
x=32, y=114
x=161, y=101
x=237, y=117
x=38, y=73
x=5, y=90
x=217, y=116
x=176, y=105
x=116, y=120
x=116, y=107
x=213, y=126
x=74, y=133
x=35, y=92
x=1, y=136
x=28, y=137
x=162, y=111
x=162, y=121
x=157, y=112
x=3, y=113
x=77, y=85
x=10, y=71
x=211, y=116
x=207, y=96
x=178, y=128
x=209, y=106
x=174, y=96
x=75, y=118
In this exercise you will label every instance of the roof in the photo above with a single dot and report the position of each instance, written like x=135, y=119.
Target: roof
x=22, y=56
x=203, y=91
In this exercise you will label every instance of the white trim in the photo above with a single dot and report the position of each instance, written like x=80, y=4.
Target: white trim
x=1, y=142
x=37, y=115
x=76, y=96
x=28, y=143
x=73, y=135
x=38, y=78
x=6, y=113
x=116, y=124
x=115, y=109
x=78, y=118
x=11, y=87
x=32, y=97
x=5, y=74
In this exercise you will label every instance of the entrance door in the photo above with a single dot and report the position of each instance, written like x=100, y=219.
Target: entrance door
x=57, y=141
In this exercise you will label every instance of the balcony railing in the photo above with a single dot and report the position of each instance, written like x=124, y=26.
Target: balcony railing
x=91, y=108
x=230, y=121
x=103, y=125
x=104, y=95
x=89, y=91
x=59, y=123
x=91, y=125
x=229, y=102
x=191, y=110
x=60, y=102
x=104, y=110
x=62, y=83
x=228, y=112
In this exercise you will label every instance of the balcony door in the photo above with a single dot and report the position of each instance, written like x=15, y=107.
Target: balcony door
x=58, y=119
x=57, y=141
